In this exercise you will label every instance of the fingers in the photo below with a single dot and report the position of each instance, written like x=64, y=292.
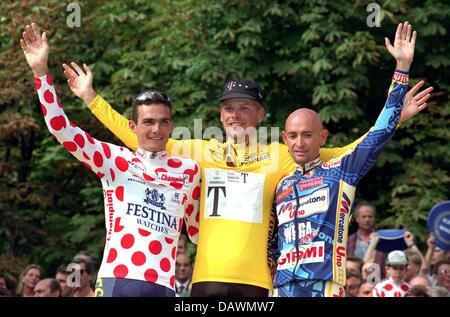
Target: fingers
x=77, y=68
x=87, y=69
x=398, y=33
x=30, y=33
x=388, y=44
x=406, y=30
x=23, y=45
x=423, y=93
x=26, y=38
x=416, y=87
x=414, y=36
x=68, y=72
x=36, y=32
x=423, y=100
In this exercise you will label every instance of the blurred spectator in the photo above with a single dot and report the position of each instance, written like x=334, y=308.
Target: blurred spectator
x=365, y=290
x=420, y=280
x=353, y=283
x=354, y=265
x=28, y=279
x=6, y=285
x=86, y=272
x=359, y=241
x=438, y=291
x=182, y=244
x=83, y=255
x=414, y=264
x=433, y=255
x=394, y=285
x=61, y=276
x=441, y=274
x=417, y=291
x=48, y=287
x=183, y=275
x=374, y=256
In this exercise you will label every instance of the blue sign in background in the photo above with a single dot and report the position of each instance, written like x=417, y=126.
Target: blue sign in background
x=439, y=224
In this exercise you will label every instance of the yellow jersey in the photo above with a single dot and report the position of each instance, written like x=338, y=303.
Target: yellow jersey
x=236, y=201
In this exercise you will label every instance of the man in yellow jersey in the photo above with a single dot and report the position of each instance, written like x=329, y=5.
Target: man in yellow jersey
x=239, y=181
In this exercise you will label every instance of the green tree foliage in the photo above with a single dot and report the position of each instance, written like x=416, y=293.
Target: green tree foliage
x=318, y=54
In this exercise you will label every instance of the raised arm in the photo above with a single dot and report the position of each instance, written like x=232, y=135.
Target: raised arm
x=81, y=83
x=94, y=154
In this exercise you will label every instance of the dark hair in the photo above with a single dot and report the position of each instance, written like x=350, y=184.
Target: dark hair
x=417, y=291
x=8, y=282
x=438, y=265
x=149, y=98
x=62, y=269
x=55, y=286
x=90, y=266
x=365, y=203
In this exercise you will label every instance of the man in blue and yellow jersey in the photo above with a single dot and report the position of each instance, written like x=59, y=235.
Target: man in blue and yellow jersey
x=313, y=204
x=239, y=177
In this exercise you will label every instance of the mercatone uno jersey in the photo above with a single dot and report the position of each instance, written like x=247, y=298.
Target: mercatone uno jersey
x=235, y=204
x=146, y=197
x=313, y=204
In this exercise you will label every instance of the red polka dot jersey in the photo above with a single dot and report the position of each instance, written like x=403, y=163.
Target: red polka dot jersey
x=146, y=197
x=389, y=288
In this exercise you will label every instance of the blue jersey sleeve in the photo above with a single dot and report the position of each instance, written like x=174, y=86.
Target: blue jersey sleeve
x=357, y=162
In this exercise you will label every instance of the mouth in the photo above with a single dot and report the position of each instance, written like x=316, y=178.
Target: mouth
x=236, y=125
x=156, y=138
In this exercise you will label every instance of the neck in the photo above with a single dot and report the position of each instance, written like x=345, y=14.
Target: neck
x=306, y=167
x=364, y=232
x=27, y=291
x=82, y=291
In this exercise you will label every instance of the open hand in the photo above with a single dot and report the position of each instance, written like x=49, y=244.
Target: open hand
x=36, y=49
x=415, y=102
x=80, y=81
x=404, y=43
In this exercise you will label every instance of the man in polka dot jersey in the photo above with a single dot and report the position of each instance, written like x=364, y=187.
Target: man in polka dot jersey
x=394, y=285
x=146, y=193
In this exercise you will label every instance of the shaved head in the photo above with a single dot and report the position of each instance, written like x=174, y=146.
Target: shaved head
x=305, y=114
x=304, y=135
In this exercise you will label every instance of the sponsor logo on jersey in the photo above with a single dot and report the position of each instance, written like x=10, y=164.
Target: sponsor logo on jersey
x=171, y=177
x=310, y=253
x=311, y=183
x=317, y=202
x=110, y=209
x=344, y=203
x=155, y=198
x=331, y=164
x=284, y=193
x=233, y=195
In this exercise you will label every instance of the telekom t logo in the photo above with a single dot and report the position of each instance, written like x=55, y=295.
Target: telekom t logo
x=231, y=84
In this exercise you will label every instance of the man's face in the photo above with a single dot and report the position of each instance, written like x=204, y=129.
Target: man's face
x=438, y=255
x=365, y=290
x=353, y=266
x=443, y=276
x=183, y=268
x=154, y=126
x=43, y=289
x=304, y=135
x=365, y=218
x=240, y=117
x=352, y=286
x=396, y=272
x=62, y=280
x=85, y=277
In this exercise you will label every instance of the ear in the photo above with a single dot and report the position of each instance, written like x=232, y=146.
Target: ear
x=284, y=136
x=323, y=137
x=261, y=114
x=132, y=125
